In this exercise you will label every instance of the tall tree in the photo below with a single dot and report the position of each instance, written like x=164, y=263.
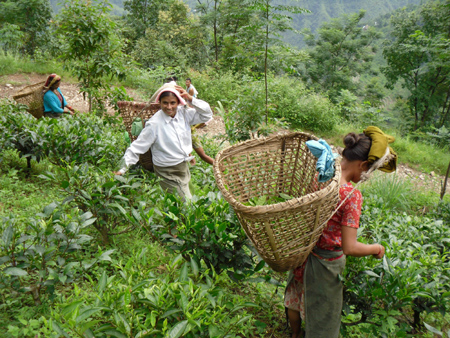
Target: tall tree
x=90, y=45
x=418, y=54
x=342, y=51
x=32, y=17
x=143, y=14
x=275, y=20
x=176, y=39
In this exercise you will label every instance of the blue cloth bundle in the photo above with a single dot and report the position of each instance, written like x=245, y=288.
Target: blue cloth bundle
x=326, y=157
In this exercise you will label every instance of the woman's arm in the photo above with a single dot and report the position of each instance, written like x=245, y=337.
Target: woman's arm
x=140, y=146
x=352, y=247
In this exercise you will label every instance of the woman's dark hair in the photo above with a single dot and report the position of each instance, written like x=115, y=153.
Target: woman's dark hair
x=53, y=85
x=164, y=94
x=170, y=79
x=357, y=147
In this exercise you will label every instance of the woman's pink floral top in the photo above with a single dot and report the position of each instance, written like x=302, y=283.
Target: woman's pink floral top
x=348, y=214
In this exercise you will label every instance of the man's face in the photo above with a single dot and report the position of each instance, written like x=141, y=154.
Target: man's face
x=188, y=83
x=169, y=105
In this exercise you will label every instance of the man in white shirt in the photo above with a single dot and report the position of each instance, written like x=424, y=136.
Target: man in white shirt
x=168, y=134
x=190, y=88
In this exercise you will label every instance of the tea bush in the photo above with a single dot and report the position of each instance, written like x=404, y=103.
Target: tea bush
x=389, y=297
x=206, y=229
x=79, y=139
x=44, y=251
x=138, y=303
x=116, y=202
x=17, y=131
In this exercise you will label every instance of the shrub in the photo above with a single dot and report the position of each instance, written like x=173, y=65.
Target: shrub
x=116, y=202
x=137, y=303
x=300, y=107
x=78, y=139
x=206, y=229
x=17, y=131
x=43, y=252
x=390, y=297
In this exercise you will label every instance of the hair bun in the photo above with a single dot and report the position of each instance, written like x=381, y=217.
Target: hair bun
x=351, y=140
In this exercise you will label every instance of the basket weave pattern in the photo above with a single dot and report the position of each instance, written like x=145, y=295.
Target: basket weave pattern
x=33, y=97
x=129, y=110
x=285, y=233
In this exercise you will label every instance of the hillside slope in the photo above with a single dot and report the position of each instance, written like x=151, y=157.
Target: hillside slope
x=321, y=11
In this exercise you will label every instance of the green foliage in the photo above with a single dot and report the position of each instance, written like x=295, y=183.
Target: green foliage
x=326, y=10
x=301, y=107
x=16, y=132
x=247, y=115
x=184, y=303
x=43, y=252
x=12, y=64
x=389, y=192
x=71, y=139
x=32, y=17
x=417, y=55
x=206, y=229
x=176, y=39
x=390, y=296
x=354, y=112
x=143, y=14
x=116, y=203
x=19, y=194
x=90, y=46
x=341, y=52
x=11, y=38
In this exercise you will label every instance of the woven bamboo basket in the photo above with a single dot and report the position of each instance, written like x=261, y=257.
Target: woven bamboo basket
x=129, y=110
x=33, y=97
x=284, y=233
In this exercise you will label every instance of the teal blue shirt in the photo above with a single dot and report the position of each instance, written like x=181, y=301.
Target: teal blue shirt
x=52, y=103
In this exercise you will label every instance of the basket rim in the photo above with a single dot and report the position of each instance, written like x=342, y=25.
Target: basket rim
x=21, y=92
x=294, y=203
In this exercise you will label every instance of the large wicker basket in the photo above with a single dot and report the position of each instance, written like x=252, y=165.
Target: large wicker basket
x=129, y=111
x=284, y=233
x=33, y=97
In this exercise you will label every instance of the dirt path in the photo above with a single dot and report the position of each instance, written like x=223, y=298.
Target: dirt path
x=10, y=84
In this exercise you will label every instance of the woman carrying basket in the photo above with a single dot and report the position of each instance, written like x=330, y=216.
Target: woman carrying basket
x=54, y=101
x=168, y=134
x=314, y=292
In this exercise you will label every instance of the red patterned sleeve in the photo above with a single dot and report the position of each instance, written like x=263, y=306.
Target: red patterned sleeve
x=351, y=210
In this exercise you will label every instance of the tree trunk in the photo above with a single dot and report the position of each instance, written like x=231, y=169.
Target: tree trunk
x=215, y=31
x=265, y=60
x=444, y=185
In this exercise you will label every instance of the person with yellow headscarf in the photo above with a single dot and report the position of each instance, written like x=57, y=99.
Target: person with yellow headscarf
x=54, y=101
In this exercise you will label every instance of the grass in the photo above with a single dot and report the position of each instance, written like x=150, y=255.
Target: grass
x=22, y=195
x=13, y=64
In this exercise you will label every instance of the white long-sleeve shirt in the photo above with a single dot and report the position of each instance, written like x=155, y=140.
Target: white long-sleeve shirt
x=169, y=138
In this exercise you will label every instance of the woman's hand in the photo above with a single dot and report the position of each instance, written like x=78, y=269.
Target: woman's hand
x=380, y=253
x=183, y=93
x=117, y=173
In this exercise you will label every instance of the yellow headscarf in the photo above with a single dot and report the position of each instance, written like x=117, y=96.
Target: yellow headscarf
x=380, y=141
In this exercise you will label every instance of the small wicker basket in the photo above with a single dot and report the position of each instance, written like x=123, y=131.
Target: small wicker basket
x=285, y=233
x=129, y=110
x=33, y=97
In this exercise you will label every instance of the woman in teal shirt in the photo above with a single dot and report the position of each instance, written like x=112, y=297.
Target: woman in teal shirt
x=54, y=101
